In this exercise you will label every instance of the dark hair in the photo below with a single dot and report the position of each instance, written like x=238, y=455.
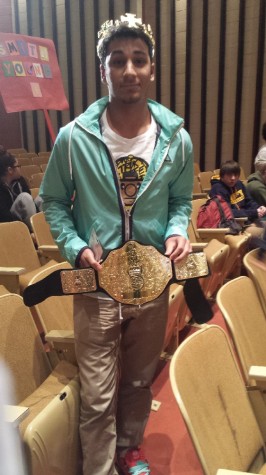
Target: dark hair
x=263, y=131
x=6, y=160
x=122, y=31
x=229, y=167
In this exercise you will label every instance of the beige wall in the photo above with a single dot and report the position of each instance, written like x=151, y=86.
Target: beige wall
x=147, y=9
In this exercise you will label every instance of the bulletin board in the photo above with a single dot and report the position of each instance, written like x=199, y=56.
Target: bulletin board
x=30, y=77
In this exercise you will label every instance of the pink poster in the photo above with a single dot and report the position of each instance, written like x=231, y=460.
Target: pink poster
x=30, y=77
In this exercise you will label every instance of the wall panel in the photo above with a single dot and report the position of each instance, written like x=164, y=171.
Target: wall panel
x=210, y=66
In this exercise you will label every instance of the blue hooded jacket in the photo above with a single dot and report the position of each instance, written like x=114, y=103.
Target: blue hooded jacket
x=238, y=197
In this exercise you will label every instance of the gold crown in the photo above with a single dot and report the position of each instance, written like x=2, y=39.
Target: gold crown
x=130, y=20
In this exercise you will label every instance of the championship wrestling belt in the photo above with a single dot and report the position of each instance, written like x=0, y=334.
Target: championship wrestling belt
x=132, y=274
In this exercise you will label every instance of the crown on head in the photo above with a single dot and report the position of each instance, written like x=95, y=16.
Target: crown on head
x=129, y=20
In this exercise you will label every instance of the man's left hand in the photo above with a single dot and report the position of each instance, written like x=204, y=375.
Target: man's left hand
x=177, y=247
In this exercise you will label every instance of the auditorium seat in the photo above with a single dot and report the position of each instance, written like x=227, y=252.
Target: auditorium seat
x=238, y=244
x=212, y=398
x=246, y=321
x=256, y=269
x=44, y=239
x=55, y=317
x=17, y=151
x=19, y=260
x=50, y=432
x=35, y=179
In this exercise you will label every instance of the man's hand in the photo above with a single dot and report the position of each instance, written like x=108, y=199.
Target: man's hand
x=87, y=259
x=177, y=247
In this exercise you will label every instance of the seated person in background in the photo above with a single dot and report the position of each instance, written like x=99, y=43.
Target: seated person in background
x=16, y=202
x=256, y=184
x=228, y=185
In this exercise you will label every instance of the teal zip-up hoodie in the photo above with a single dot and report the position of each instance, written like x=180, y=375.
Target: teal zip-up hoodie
x=81, y=191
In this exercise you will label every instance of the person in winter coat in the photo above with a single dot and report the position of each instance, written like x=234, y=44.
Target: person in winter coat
x=256, y=182
x=128, y=163
x=16, y=202
x=228, y=185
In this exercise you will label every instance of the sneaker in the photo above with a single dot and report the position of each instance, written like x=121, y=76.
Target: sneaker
x=133, y=463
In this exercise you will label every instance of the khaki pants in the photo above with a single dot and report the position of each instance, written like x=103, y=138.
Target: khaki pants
x=117, y=348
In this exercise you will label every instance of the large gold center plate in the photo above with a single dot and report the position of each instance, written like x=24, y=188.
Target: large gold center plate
x=135, y=274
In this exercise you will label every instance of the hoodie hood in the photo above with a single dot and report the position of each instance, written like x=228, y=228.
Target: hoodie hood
x=215, y=179
x=167, y=120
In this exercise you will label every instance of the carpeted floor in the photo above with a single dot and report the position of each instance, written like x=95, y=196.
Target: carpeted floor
x=167, y=444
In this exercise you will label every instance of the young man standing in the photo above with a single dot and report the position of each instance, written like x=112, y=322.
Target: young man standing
x=128, y=163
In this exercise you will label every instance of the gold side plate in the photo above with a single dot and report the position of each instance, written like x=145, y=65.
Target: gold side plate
x=77, y=281
x=195, y=265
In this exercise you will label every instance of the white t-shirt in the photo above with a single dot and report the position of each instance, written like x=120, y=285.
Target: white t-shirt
x=131, y=157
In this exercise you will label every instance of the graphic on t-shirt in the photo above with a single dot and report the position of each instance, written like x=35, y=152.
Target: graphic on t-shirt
x=131, y=171
x=237, y=197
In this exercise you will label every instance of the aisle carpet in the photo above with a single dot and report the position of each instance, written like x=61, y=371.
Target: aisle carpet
x=167, y=444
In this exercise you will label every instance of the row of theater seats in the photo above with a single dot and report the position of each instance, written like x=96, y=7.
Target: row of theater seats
x=219, y=377
x=28, y=159
x=47, y=393
x=18, y=152
x=33, y=165
x=224, y=255
x=238, y=245
x=53, y=317
x=221, y=394
x=44, y=382
x=47, y=382
x=45, y=374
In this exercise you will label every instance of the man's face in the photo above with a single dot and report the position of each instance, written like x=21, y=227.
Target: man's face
x=128, y=70
x=230, y=179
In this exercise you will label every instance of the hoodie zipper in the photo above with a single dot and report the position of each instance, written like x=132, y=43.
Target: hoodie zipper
x=162, y=161
x=129, y=212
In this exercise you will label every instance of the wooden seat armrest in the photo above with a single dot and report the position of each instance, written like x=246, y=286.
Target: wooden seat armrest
x=48, y=252
x=12, y=270
x=60, y=336
x=213, y=230
x=242, y=220
x=48, y=247
x=224, y=471
x=62, y=341
x=258, y=373
x=15, y=414
x=9, y=277
x=198, y=246
x=206, y=234
x=196, y=196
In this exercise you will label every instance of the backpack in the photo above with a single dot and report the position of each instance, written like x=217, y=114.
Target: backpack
x=217, y=213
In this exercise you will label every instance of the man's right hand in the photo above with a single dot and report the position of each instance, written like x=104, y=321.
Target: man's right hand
x=87, y=259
